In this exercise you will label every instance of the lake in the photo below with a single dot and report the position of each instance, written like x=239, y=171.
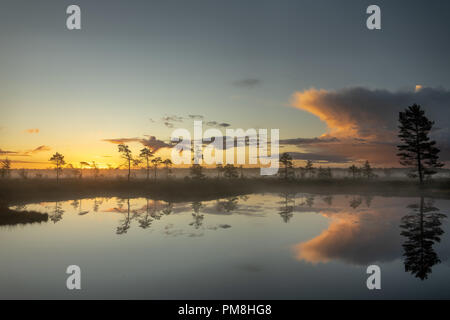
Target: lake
x=259, y=246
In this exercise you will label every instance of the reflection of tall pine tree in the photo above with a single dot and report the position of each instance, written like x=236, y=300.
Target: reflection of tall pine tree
x=422, y=228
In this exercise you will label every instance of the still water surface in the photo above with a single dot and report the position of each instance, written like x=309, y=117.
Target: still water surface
x=261, y=246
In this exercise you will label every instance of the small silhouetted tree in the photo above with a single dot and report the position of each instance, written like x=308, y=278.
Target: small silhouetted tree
x=286, y=161
x=83, y=164
x=219, y=168
x=96, y=170
x=302, y=172
x=146, y=154
x=126, y=154
x=230, y=171
x=167, y=164
x=58, y=161
x=196, y=171
x=367, y=170
x=354, y=171
x=309, y=168
x=5, y=169
x=156, y=162
x=417, y=151
x=324, y=173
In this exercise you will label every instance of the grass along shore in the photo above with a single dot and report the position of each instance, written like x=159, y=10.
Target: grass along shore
x=13, y=191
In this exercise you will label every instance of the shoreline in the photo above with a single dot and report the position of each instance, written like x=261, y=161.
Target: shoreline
x=17, y=191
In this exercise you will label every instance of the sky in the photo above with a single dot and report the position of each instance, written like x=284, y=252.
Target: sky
x=137, y=70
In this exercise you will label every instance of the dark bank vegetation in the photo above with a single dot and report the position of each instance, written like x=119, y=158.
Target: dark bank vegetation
x=9, y=217
x=20, y=191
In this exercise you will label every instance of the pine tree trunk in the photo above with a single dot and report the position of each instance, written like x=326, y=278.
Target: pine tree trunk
x=419, y=160
x=129, y=169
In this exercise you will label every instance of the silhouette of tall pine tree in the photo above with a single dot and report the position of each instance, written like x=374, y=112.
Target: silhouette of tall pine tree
x=417, y=150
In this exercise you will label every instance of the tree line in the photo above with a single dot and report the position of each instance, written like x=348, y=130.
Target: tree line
x=417, y=151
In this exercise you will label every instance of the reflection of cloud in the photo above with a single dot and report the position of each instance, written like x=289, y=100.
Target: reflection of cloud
x=359, y=238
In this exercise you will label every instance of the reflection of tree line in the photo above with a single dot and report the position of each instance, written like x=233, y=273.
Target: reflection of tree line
x=421, y=228
x=144, y=216
x=151, y=211
x=288, y=202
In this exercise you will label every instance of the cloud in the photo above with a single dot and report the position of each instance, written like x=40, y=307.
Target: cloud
x=307, y=141
x=352, y=236
x=8, y=152
x=217, y=124
x=370, y=114
x=196, y=116
x=367, y=119
x=26, y=153
x=40, y=149
x=151, y=142
x=169, y=120
x=33, y=130
x=28, y=162
x=247, y=83
x=122, y=140
x=154, y=144
x=334, y=158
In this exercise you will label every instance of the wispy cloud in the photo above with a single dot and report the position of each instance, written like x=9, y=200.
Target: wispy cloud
x=308, y=141
x=169, y=120
x=320, y=157
x=217, y=124
x=7, y=152
x=26, y=153
x=247, y=83
x=196, y=116
x=40, y=149
x=151, y=142
x=32, y=130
